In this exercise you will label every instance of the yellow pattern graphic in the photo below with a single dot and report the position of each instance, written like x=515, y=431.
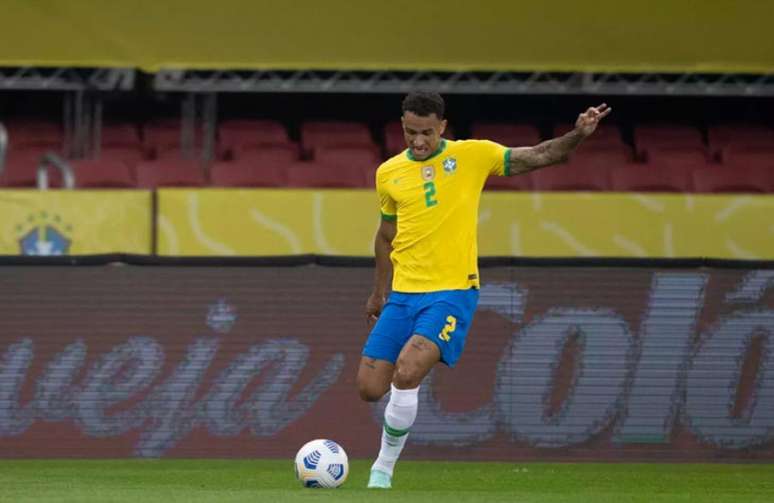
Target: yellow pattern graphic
x=279, y=222
x=94, y=221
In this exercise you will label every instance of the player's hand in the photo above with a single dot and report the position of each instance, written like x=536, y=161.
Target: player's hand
x=587, y=121
x=374, y=307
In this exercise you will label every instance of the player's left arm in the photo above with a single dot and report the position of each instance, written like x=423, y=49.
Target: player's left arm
x=556, y=150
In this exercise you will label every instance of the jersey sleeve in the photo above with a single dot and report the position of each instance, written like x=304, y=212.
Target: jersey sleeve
x=386, y=202
x=495, y=157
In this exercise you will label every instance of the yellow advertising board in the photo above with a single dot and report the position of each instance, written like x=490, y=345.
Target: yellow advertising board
x=260, y=222
x=67, y=222
x=564, y=35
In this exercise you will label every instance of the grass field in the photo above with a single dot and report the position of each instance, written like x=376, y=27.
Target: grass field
x=273, y=481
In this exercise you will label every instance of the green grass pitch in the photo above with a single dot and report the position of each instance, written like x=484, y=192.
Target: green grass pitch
x=170, y=481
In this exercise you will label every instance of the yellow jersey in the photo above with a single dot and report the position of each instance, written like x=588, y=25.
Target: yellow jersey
x=435, y=205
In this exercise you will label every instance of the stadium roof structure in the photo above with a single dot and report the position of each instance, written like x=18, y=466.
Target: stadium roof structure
x=463, y=82
x=30, y=78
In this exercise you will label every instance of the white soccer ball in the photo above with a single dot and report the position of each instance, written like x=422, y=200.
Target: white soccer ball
x=322, y=463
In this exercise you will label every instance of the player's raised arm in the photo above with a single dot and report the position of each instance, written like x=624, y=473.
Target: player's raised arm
x=524, y=159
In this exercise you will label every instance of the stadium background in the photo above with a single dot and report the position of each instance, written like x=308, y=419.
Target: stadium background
x=637, y=344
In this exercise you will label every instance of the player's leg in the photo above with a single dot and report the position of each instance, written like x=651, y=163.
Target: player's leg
x=441, y=327
x=373, y=378
x=382, y=348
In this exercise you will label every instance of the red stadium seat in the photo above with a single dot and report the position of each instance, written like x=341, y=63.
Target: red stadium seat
x=571, y=176
x=661, y=136
x=517, y=182
x=507, y=134
x=306, y=174
x=164, y=135
x=607, y=135
x=21, y=169
x=170, y=173
x=749, y=156
x=737, y=179
x=271, y=154
x=128, y=155
x=652, y=178
x=315, y=135
x=394, y=142
x=737, y=137
x=240, y=135
x=121, y=135
x=102, y=173
x=245, y=172
x=25, y=134
x=693, y=157
x=364, y=158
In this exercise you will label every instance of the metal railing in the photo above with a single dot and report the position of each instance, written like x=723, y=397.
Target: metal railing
x=52, y=160
x=3, y=147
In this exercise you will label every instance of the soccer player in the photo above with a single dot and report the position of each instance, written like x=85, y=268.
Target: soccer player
x=429, y=197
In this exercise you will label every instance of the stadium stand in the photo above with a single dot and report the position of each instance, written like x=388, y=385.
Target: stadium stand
x=738, y=137
x=737, y=179
x=238, y=136
x=510, y=135
x=315, y=135
x=103, y=174
x=653, y=137
x=305, y=174
x=246, y=173
x=170, y=173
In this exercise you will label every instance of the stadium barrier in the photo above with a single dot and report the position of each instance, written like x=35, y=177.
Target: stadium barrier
x=261, y=222
x=577, y=359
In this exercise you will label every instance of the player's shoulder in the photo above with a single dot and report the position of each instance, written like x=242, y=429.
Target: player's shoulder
x=395, y=162
x=471, y=145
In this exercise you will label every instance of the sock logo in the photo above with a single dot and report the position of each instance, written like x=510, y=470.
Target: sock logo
x=451, y=326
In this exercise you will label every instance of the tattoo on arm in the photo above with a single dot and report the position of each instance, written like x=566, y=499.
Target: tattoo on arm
x=549, y=152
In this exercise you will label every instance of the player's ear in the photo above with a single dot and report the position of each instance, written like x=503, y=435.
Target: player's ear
x=443, y=127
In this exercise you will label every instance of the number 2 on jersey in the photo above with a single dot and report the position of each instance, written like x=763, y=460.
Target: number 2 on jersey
x=430, y=194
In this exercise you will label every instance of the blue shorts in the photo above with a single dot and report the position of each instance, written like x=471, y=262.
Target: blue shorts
x=443, y=317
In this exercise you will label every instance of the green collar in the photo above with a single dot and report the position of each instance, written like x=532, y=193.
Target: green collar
x=440, y=149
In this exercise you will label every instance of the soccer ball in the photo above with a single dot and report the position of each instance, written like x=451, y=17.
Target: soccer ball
x=322, y=463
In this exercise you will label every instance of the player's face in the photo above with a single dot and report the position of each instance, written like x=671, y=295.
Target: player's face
x=422, y=133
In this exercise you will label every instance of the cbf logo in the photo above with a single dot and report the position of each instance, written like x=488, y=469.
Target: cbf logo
x=450, y=165
x=221, y=316
x=44, y=235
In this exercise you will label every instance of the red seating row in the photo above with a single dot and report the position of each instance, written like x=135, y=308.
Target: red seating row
x=162, y=138
x=591, y=169
x=683, y=171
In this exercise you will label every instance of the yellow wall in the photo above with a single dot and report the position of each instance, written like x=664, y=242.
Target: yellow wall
x=342, y=222
x=98, y=221
x=563, y=35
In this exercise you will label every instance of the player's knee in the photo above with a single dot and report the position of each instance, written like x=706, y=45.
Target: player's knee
x=370, y=392
x=406, y=376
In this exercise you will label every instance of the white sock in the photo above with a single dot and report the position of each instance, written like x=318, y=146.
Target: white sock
x=398, y=417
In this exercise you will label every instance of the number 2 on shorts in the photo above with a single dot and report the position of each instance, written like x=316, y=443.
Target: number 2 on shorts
x=451, y=326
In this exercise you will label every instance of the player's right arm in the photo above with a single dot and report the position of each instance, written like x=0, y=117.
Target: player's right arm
x=382, y=249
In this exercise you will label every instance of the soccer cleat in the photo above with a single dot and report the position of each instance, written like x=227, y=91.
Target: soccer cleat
x=379, y=480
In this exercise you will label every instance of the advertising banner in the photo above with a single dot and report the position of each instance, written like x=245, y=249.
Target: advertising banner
x=568, y=363
x=226, y=222
x=64, y=222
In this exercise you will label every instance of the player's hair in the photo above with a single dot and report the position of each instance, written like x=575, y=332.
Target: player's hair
x=424, y=103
